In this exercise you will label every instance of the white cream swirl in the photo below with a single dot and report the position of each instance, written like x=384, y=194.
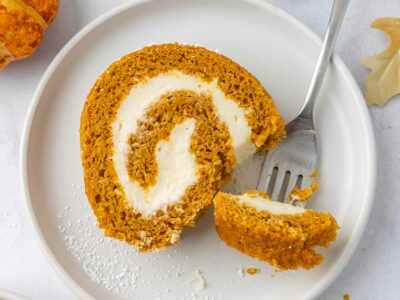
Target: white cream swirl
x=265, y=204
x=176, y=165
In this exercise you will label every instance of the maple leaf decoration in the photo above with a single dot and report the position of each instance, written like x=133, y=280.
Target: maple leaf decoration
x=384, y=80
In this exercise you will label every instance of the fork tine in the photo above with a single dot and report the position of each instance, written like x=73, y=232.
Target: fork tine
x=265, y=176
x=278, y=184
x=290, y=186
x=263, y=181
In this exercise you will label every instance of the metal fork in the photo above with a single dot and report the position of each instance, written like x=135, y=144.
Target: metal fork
x=294, y=160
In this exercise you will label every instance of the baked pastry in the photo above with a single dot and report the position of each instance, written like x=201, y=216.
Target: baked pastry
x=281, y=234
x=161, y=131
x=22, y=26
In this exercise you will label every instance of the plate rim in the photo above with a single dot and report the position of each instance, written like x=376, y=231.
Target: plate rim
x=8, y=295
x=369, y=193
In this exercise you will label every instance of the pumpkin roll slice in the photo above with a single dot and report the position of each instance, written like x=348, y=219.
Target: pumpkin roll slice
x=161, y=131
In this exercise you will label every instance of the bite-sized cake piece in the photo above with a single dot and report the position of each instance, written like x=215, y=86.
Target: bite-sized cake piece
x=281, y=234
x=161, y=131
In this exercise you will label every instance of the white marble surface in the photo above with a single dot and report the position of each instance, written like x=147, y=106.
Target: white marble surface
x=374, y=270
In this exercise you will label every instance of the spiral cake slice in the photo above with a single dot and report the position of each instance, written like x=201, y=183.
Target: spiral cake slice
x=161, y=131
x=281, y=234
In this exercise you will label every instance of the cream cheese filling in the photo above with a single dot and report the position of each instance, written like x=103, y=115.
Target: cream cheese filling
x=176, y=165
x=274, y=207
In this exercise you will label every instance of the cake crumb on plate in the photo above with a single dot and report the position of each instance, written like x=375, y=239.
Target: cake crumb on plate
x=252, y=271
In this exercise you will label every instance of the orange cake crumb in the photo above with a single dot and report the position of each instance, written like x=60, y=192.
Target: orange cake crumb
x=305, y=193
x=301, y=194
x=346, y=296
x=252, y=271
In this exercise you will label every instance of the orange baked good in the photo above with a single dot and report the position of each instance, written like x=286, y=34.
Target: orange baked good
x=161, y=132
x=281, y=234
x=22, y=27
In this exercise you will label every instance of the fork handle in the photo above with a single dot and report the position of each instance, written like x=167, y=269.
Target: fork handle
x=335, y=21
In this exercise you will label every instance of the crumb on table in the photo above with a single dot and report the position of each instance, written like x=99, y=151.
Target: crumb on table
x=346, y=296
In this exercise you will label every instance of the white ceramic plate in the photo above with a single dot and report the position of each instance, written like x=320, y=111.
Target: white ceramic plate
x=277, y=49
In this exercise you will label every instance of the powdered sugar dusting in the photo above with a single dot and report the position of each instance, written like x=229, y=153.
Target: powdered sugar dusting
x=199, y=280
x=118, y=267
x=239, y=270
x=100, y=256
